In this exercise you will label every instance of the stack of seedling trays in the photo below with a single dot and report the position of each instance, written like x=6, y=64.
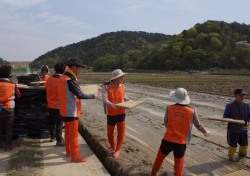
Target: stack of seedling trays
x=31, y=115
x=27, y=78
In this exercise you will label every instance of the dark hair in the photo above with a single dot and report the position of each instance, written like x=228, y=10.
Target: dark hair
x=240, y=91
x=74, y=62
x=45, y=67
x=5, y=71
x=60, y=67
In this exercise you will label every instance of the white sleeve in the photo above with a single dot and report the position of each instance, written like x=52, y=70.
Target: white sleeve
x=125, y=97
x=197, y=123
x=105, y=96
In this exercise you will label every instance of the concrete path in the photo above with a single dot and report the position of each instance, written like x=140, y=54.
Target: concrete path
x=55, y=162
x=4, y=156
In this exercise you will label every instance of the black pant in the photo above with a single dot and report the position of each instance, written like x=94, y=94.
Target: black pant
x=55, y=124
x=112, y=120
x=237, y=138
x=178, y=149
x=6, y=125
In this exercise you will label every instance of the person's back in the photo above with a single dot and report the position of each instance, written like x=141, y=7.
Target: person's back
x=179, y=119
x=179, y=123
x=55, y=120
x=8, y=92
x=52, y=91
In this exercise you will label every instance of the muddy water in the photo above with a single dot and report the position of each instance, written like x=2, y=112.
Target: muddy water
x=145, y=130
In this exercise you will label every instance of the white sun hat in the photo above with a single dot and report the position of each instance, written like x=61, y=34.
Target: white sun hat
x=117, y=74
x=180, y=96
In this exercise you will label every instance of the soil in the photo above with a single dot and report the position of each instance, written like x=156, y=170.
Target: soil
x=145, y=129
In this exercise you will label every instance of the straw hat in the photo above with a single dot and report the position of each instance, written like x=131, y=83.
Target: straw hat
x=117, y=74
x=180, y=96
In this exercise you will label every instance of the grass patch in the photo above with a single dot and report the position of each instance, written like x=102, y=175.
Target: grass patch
x=26, y=159
x=230, y=71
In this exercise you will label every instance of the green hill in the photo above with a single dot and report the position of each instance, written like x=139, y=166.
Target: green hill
x=123, y=49
x=213, y=44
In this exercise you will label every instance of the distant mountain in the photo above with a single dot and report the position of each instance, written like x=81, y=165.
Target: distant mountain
x=123, y=49
x=213, y=44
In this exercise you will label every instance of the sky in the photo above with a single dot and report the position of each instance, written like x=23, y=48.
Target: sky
x=30, y=28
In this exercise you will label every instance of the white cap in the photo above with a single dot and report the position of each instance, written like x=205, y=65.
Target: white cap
x=180, y=96
x=117, y=74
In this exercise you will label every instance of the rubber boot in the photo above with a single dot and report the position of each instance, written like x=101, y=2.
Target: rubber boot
x=243, y=151
x=120, y=137
x=178, y=166
x=232, y=154
x=158, y=162
x=111, y=137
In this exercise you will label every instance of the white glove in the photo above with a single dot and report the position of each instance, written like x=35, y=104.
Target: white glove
x=207, y=134
x=98, y=95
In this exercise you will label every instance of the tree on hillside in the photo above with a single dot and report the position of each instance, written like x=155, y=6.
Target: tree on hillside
x=204, y=46
x=2, y=61
x=118, y=44
x=212, y=44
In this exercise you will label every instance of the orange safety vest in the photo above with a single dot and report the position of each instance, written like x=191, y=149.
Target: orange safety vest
x=7, y=94
x=70, y=105
x=179, y=124
x=45, y=78
x=52, y=91
x=115, y=95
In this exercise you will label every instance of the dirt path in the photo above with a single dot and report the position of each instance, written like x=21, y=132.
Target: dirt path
x=145, y=130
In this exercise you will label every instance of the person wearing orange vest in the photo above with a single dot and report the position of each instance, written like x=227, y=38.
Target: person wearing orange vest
x=114, y=92
x=179, y=119
x=44, y=74
x=70, y=93
x=8, y=92
x=55, y=120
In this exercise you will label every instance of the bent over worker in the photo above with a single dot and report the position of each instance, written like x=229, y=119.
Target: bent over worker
x=237, y=133
x=114, y=92
x=70, y=93
x=55, y=120
x=179, y=119
x=8, y=92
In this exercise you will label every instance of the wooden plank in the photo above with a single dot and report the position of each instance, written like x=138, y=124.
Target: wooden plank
x=38, y=82
x=89, y=89
x=240, y=172
x=227, y=120
x=129, y=104
x=37, y=87
x=210, y=139
x=22, y=86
